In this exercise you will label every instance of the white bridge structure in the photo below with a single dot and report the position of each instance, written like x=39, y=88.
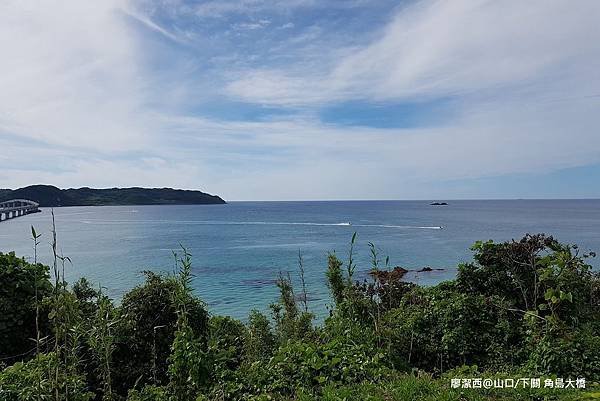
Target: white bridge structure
x=17, y=207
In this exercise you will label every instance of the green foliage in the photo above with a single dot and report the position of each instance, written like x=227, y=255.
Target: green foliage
x=404, y=388
x=146, y=329
x=226, y=341
x=101, y=340
x=260, y=340
x=87, y=298
x=335, y=279
x=226, y=352
x=35, y=380
x=309, y=365
x=189, y=361
x=149, y=393
x=574, y=353
x=188, y=365
x=290, y=322
x=439, y=328
x=537, y=275
x=20, y=280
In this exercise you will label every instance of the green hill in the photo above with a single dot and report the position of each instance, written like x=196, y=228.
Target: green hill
x=50, y=196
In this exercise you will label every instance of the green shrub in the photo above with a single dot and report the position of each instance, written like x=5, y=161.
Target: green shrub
x=290, y=322
x=35, y=380
x=146, y=330
x=260, y=341
x=438, y=328
x=226, y=353
x=18, y=306
x=303, y=365
x=87, y=298
x=148, y=393
x=568, y=353
x=226, y=341
x=537, y=275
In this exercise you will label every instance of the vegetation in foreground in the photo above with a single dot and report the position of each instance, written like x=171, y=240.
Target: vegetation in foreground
x=527, y=308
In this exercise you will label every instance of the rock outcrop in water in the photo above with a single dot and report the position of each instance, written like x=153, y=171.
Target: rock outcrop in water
x=428, y=269
x=389, y=275
x=51, y=196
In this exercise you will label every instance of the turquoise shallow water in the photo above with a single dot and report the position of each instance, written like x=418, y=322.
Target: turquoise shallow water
x=238, y=249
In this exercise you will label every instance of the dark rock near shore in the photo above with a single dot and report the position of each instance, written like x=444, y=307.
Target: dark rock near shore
x=428, y=269
x=389, y=275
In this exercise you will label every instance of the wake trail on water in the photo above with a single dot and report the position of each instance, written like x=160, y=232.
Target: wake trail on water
x=272, y=223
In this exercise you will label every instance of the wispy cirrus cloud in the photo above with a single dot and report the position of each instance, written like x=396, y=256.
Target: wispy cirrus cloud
x=444, y=49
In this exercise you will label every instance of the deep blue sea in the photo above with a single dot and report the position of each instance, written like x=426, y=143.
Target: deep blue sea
x=239, y=248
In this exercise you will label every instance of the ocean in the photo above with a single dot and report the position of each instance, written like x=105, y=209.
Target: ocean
x=238, y=249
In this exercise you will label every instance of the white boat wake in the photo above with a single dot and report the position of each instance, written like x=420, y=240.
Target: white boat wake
x=275, y=223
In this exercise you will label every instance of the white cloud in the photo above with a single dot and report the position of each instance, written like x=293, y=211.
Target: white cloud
x=241, y=26
x=439, y=48
x=69, y=74
x=446, y=48
x=144, y=19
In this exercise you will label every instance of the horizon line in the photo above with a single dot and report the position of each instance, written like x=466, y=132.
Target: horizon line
x=406, y=199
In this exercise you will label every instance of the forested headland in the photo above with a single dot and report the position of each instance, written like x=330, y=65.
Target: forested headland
x=51, y=196
x=520, y=309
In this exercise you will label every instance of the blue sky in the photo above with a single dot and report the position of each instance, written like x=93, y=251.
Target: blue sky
x=303, y=99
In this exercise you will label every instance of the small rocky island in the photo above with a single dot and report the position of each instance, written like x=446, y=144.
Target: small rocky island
x=439, y=204
x=51, y=196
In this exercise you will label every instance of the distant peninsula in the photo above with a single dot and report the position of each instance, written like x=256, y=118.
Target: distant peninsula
x=51, y=196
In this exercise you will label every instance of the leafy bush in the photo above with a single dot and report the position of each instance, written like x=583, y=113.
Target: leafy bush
x=226, y=341
x=189, y=367
x=438, y=328
x=290, y=322
x=87, y=298
x=260, y=341
x=568, y=353
x=539, y=277
x=148, y=393
x=20, y=280
x=36, y=380
x=146, y=330
x=311, y=366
